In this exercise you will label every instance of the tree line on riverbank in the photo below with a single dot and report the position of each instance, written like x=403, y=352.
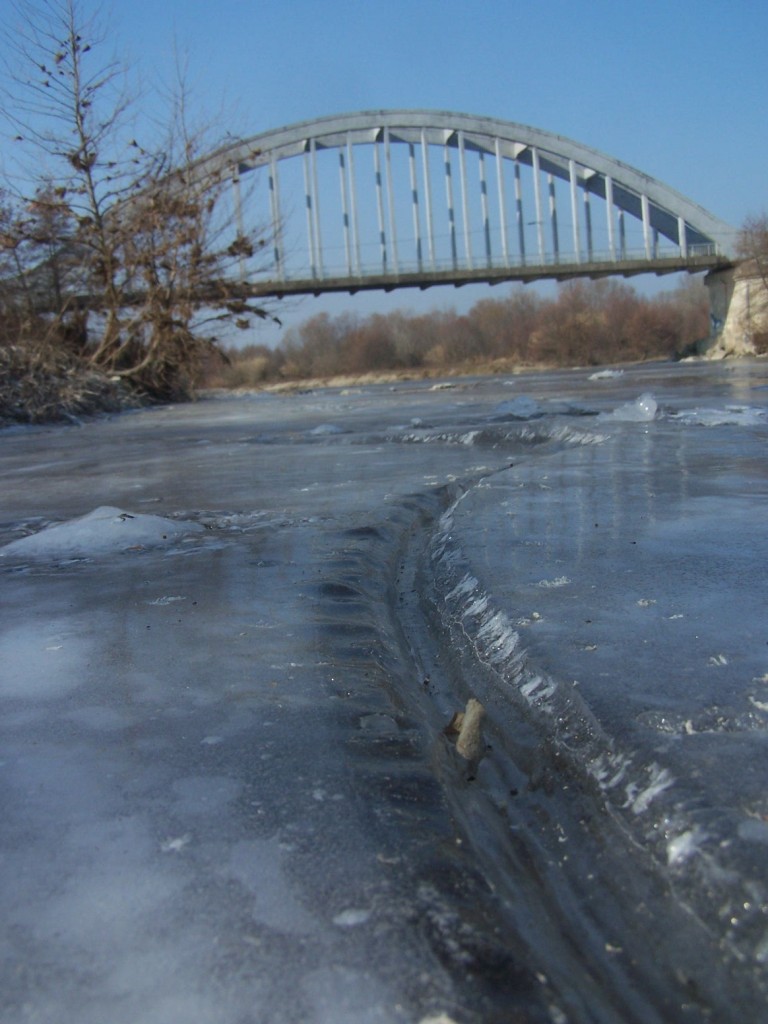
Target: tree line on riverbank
x=585, y=323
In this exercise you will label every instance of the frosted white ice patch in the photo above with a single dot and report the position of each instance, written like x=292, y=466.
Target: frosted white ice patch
x=106, y=530
x=175, y=844
x=352, y=917
x=641, y=799
x=467, y=586
x=731, y=415
x=681, y=847
x=327, y=429
x=560, y=581
x=338, y=995
x=204, y=794
x=36, y=667
x=504, y=646
x=494, y=627
x=754, y=830
x=642, y=410
x=539, y=688
x=606, y=375
x=258, y=864
x=609, y=769
x=477, y=607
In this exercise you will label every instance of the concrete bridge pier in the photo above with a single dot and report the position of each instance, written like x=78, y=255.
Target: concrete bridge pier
x=738, y=306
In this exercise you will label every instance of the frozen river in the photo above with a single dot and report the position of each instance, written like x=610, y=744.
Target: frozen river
x=229, y=791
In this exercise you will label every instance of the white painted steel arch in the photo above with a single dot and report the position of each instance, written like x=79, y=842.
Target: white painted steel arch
x=662, y=213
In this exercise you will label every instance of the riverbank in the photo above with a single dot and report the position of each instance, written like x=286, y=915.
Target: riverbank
x=47, y=384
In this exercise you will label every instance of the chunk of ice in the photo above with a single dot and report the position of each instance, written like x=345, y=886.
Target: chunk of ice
x=642, y=410
x=105, y=530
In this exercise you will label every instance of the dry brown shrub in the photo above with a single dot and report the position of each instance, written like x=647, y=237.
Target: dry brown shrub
x=250, y=372
x=42, y=383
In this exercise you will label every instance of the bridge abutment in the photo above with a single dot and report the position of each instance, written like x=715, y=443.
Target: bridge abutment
x=738, y=306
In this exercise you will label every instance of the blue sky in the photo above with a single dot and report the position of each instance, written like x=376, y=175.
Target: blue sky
x=676, y=88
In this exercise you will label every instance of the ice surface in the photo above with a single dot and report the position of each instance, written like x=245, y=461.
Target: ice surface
x=106, y=530
x=227, y=792
x=658, y=540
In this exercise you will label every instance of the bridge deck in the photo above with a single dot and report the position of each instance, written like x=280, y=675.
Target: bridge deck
x=458, y=276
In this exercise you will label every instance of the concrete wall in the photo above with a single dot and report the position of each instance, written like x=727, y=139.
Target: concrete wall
x=738, y=303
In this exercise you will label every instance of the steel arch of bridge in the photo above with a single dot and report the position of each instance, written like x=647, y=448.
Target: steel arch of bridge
x=523, y=179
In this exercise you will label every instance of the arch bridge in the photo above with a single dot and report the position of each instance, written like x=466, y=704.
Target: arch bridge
x=413, y=198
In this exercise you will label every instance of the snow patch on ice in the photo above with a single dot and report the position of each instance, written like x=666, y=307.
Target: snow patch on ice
x=106, y=530
x=560, y=581
x=606, y=375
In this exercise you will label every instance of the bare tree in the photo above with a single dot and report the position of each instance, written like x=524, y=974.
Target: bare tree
x=752, y=245
x=151, y=250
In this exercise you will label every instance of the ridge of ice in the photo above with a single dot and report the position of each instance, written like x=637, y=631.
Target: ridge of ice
x=106, y=530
